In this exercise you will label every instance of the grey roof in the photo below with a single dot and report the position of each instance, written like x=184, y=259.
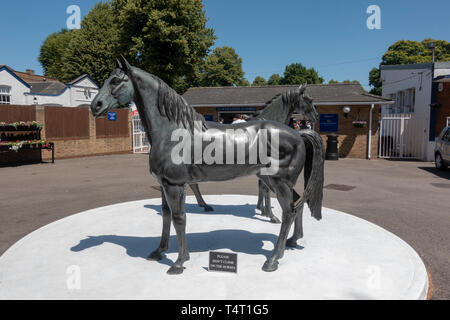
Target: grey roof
x=259, y=95
x=77, y=79
x=47, y=88
x=412, y=66
x=442, y=65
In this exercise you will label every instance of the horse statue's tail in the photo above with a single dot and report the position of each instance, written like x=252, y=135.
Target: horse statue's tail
x=314, y=173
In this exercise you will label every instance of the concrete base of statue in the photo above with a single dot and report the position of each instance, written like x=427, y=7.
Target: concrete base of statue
x=101, y=254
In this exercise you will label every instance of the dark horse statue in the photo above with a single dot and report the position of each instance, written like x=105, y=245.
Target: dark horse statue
x=280, y=108
x=167, y=117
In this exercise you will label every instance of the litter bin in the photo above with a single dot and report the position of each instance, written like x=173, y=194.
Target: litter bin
x=332, y=147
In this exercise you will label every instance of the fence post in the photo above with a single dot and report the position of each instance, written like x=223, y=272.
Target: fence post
x=402, y=127
x=40, y=117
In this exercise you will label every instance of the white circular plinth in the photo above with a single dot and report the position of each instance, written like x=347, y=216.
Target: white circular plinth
x=100, y=254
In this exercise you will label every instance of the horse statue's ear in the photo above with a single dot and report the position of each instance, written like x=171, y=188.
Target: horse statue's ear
x=302, y=88
x=125, y=65
x=118, y=64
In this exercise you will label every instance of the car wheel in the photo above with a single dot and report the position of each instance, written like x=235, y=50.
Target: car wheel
x=439, y=162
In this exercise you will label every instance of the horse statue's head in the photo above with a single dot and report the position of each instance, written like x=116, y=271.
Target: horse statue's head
x=306, y=106
x=116, y=91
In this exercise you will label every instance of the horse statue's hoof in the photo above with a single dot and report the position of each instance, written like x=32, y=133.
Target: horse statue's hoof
x=291, y=243
x=208, y=208
x=155, y=256
x=175, y=270
x=270, y=267
x=275, y=220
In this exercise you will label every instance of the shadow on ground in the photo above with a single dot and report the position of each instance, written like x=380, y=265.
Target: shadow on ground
x=242, y=211
x=239, y=241
x=440, y=173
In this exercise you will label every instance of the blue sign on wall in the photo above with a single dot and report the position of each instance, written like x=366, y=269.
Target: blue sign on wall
x=112, y=116
x=329, y=122
x=209, y=117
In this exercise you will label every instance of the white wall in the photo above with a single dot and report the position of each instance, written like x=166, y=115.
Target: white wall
x=62, y=99
x=18, y=89
x=73, y=96
x=420, y=79
x=78, y=92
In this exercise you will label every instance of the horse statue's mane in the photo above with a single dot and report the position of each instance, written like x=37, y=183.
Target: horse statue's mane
x=290, y=99
x=175, y=108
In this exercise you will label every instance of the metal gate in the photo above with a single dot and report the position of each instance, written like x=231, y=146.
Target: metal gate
x=140, y=141
x=402, y=137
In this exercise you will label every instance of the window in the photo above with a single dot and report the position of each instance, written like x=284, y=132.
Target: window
x=5, y=95
x=404, y=101
x=391, y=107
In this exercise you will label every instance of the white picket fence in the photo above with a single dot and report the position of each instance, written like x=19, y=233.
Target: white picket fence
x=402, y=137
x=140, y=141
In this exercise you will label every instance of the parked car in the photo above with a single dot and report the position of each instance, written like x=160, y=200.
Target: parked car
x=442, y=149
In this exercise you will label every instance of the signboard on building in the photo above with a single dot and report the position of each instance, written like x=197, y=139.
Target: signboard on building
x=329, y=122
x=112, y=116
x=209, y=117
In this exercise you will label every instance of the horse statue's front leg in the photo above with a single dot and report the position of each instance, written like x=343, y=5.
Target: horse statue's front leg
x=164, y=243
x=201, y=202
x=260, y=203
x=176, y=197
x=266, y=209
x=284, y=195
x=298, y=228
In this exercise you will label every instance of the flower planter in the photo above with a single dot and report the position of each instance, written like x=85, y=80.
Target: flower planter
x=20, y=126
x=359, y=124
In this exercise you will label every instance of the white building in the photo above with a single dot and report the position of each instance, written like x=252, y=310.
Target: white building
x=26, y=88
x=411, y=86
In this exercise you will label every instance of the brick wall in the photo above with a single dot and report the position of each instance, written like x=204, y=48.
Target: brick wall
x=93, y=145
x=208, y=110
x=85, y=146
x=443, y=112
x=353, y=142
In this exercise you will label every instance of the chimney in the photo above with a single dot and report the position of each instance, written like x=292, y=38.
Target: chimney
x=30, y=72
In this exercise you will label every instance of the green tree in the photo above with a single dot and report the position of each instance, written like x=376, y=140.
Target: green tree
x=375, y=81
x=350, y=82
x=94, y=47
x=408, y=52
x=274, y=80
x=259, y=81
x=168, y=38
x=332, y=81
x=52, y=53
x=244, y=83
x=223, y=67
x=296, y=73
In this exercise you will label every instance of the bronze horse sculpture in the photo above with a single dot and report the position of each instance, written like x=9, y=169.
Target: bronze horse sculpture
x=166, y=114
x=280, y=108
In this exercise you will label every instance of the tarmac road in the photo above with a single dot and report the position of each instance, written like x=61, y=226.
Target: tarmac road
x=410, y=199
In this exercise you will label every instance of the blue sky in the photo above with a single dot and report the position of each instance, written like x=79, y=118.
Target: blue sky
x=330, y=36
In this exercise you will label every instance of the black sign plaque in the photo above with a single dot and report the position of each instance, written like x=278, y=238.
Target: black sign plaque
x=222, y=261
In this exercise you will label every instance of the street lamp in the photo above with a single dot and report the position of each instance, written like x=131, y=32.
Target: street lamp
x=346, y=110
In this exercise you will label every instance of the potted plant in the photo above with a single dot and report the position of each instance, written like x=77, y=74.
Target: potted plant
x=359, y=123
